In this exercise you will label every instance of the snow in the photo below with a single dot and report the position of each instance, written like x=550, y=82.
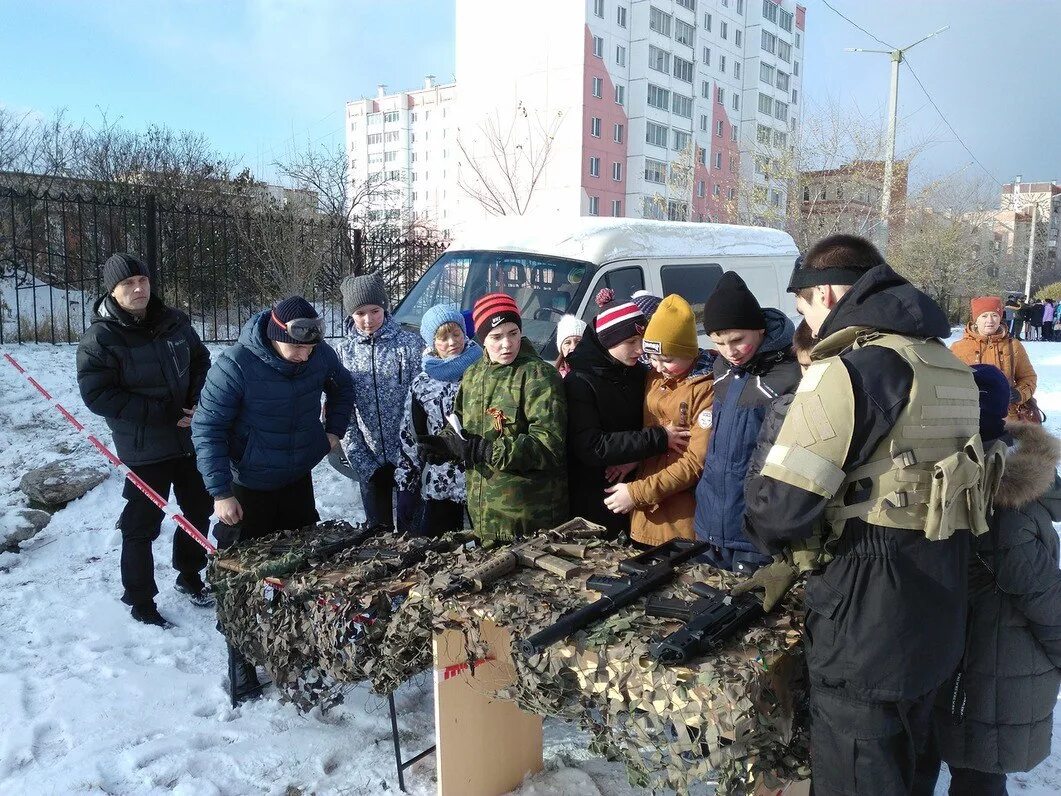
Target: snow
x=92, y=701
x=70, y=308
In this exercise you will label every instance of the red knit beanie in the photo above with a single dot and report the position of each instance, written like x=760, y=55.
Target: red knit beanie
x=491, y=311
x=982, y=304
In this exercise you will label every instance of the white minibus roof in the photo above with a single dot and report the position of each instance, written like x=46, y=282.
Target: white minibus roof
x=602, y=240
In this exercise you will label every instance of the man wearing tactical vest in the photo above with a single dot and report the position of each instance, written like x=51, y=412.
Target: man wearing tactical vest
x=871, y=486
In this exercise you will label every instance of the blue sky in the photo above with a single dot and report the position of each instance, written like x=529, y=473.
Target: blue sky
x=255, y=74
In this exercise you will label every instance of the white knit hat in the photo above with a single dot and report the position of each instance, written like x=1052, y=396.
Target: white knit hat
x=569, y=326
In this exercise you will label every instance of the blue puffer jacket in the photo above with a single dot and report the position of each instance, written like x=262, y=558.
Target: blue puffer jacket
x=383, y=365
x=742, y=399
x=258, y=421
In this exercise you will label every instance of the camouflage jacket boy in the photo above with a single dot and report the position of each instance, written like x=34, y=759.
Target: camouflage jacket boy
x=521, y=408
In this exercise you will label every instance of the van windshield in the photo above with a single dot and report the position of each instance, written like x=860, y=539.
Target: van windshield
x=543, y=287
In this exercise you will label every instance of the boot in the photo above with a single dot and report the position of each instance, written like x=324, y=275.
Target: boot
x=147, y=613
x=243, y=680
x=199, y=594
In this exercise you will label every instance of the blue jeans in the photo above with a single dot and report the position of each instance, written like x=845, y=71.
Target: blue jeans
x=377, y=495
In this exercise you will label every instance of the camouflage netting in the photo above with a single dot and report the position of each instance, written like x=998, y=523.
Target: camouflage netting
x=738, y=715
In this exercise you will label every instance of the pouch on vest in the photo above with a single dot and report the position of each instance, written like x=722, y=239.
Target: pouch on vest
x=955, y=498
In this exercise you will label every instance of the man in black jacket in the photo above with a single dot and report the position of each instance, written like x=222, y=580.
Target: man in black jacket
x=141, y=366
x=844, y=493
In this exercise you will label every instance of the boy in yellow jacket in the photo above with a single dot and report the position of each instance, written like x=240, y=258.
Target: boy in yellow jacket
x=680, y=392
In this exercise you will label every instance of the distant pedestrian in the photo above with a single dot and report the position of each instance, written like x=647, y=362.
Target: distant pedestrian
x=1048, y=320
x=141, y=365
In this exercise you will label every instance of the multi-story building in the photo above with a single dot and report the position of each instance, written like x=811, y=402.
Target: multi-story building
x=1014, y=226
x=848, y=199
x=402, y=154
x=647, y=109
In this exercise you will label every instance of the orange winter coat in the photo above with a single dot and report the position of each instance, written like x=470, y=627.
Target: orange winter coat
x=1005, y=353
x=664, y=492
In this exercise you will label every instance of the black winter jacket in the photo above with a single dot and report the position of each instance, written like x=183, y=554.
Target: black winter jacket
x=1013, y=659
x=886, y=617
x=605, y=426
x=140, y=376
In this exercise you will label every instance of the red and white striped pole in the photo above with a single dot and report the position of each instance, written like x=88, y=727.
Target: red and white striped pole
x=138, y=482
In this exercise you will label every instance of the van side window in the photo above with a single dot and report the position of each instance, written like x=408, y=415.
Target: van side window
x=624, y=281
x=694, y=283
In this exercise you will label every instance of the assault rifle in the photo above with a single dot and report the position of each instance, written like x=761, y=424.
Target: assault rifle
x=529, y=554
x=709, y=622
x=644, y=573
x=325, y=546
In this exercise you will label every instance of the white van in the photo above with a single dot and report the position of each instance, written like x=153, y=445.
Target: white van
x=558, y=267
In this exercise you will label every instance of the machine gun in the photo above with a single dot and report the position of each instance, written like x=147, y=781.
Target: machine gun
x=644, y=573
x=709, y=622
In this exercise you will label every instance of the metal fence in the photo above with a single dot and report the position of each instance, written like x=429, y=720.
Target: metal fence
x=218, y=266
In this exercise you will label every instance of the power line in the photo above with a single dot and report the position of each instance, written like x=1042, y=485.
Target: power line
x=950, y=127
x=855, y=24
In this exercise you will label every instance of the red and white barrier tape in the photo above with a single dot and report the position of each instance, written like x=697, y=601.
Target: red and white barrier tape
x=137, y=481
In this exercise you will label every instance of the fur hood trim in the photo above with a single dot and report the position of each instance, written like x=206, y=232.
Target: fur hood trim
x=1031, y=465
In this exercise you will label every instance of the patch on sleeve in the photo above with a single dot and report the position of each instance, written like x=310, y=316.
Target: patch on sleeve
x=704, y=419
x=813, y=377
x=819, y=418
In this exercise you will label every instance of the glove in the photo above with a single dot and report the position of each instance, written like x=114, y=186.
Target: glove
x=774, y=579
x=469, y=451
x=1014, y=395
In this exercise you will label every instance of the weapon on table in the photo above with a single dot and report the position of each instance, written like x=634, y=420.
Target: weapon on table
x=536, y=553
x=645, y=573
x=709, y=622
x=323, y=549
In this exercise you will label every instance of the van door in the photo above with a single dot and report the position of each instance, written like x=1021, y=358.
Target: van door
x=625, y=279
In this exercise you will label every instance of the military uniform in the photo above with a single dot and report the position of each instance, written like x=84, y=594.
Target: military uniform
x=876, y=472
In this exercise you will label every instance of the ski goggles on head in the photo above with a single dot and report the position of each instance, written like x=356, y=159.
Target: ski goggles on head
x=306, y=331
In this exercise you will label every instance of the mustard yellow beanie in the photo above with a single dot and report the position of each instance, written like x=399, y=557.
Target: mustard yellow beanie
x=672, y=330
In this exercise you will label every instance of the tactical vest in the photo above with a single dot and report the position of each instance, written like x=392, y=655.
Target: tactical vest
x=929, y=474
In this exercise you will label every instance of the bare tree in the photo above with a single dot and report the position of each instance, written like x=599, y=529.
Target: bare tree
x=503, y=177
x=675, y=202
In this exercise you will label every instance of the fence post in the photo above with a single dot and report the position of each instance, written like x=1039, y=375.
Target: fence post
x=359, y=251
x=151, y=236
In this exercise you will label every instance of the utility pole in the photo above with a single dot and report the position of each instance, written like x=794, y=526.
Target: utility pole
x=896, y=55
x=1031, y=255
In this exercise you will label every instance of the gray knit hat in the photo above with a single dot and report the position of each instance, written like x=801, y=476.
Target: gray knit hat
x=360, y=290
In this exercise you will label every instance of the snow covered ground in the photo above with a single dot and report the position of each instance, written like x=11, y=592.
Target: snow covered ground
x=92, y=702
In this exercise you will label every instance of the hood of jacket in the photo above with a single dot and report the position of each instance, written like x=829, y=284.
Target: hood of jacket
x=252, y=337
x=885, y=301
x=998, y=337
x=590, y=356
x=389, y=330
x=157, y=318
x=1031, y=469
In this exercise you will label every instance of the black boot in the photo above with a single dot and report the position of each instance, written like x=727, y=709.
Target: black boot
x=243, y=680
x=147, y=613
x=198, y=592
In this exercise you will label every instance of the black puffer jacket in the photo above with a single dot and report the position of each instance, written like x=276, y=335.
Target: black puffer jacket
x=1013, y=663
x=605, y=426
x=140, y=376
x=886, y=617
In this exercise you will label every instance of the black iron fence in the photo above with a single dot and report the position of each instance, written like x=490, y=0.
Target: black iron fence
x=216, y=265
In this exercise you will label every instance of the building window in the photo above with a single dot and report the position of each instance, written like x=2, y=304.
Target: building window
x=620, y=16
x=388, y=157
x=762, y=133
x=617, y=171
x=701, y=156
x=775, y=198
x=785, y=20
x=784, y=51
x=795, y=96
x=390, y=116
x=780, y=110
x=797, y=41
x=677, y=211
x=736, y=101
x=766, y=73
x=656, y=134
x=598, y=8
x=598, y=46
x=806, y=193
x=620, y=95
x=390, y=137
x=766, y=103
x=655, y=171
x=770, y=10
x=700, y=189
x=620, y=55
x=720, y=95
x=732, y=193
x=722, y=64
x=658, y=21
x=707, y=56
x=594, y=127
x=720, y=128
x=594, y=167
x=718, y=160
x=598, y=84
x=782, y=80
x=617, y=134
x=716, y=191
x=762, y=165
x=683, y=106
x=769, y=39
x=703, y=121
x=375, y=138
x=658, y=97
x=658, y=59
x=683, y=33
x=690, y=4
x=707, y=22
x=795, y=68
x=683, y=70
x=780, y=139
x=705, y=89
x=738, y=37
x=733, y=132
x=412, y=157
x=681, y=140
x=723, y=30
x=594, y=205
x=740, y=6
x=617, y=208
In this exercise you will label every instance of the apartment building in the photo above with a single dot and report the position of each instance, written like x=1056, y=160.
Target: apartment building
x=402, y=153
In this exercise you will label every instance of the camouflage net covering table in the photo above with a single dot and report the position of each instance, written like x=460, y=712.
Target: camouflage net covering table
x=737, y=715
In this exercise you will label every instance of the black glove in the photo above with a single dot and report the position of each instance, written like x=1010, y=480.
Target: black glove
x=1014, y=395
x=469, y=451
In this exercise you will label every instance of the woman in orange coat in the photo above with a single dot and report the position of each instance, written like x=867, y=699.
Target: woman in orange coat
x=988, y=342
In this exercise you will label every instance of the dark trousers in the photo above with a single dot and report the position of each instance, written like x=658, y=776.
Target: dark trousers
x=377, y=496
x=860, y=747
x=441, y=516
x=141, y=522
x=270, y=511
x=963, y=781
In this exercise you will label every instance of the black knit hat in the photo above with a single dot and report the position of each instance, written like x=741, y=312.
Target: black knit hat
x=291, y=309
x=122, y=266
x=732, y=306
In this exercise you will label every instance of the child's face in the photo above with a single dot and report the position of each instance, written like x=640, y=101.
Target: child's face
x=671, y=366
x=569, y=344
x=502, y=344
x=738, y=346
x=628, y=351
x=449, y=340
x=368, y=318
